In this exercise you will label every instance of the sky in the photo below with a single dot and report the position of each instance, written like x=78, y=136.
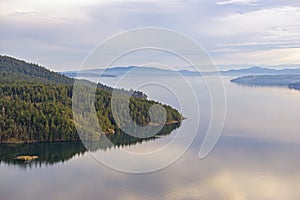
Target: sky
x=60, y=34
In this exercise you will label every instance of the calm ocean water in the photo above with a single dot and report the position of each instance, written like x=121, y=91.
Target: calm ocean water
x=257, y=156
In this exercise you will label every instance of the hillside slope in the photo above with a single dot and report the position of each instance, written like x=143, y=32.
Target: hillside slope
x=36, y=105
x=14, y=70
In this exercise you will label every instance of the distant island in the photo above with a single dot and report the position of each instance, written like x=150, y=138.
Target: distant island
x=289, y=81
x=133, y=70
x=295, y=86
x=154, y=71
x=36, y=105
x=85, y=74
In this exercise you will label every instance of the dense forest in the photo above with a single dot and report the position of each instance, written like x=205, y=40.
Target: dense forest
x=36, y=105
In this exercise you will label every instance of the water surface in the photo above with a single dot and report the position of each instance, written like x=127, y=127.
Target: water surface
x=257, y=156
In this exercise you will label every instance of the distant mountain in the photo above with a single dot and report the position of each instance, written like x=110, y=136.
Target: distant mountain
x=86, y=74
x=260, y=71
x=251, y=70
x=153, y=71
x=133, y=70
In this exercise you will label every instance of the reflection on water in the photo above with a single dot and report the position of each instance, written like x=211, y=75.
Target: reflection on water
x=241, y=168
x=257, y=157
x=56, y=152
x=48, y=153
x=238, y=168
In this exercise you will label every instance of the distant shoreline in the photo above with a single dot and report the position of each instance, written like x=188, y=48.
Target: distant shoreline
x=287, y=81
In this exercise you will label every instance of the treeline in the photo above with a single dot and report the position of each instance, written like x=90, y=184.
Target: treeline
x=43, y=112
x=36, y=112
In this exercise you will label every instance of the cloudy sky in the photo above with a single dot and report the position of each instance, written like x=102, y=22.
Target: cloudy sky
x=61, y=33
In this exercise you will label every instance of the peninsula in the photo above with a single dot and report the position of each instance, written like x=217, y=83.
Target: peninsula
x=36, y=105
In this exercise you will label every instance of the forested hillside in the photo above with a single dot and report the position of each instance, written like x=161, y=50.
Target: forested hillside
x=36, y=105
x=14, y=70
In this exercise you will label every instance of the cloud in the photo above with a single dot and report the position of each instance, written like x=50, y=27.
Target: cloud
x=243, y=2
x=258, y=21
x=267, y=35
x=59, y=33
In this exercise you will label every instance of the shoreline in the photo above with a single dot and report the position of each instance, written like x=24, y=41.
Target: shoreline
x=16, y=142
